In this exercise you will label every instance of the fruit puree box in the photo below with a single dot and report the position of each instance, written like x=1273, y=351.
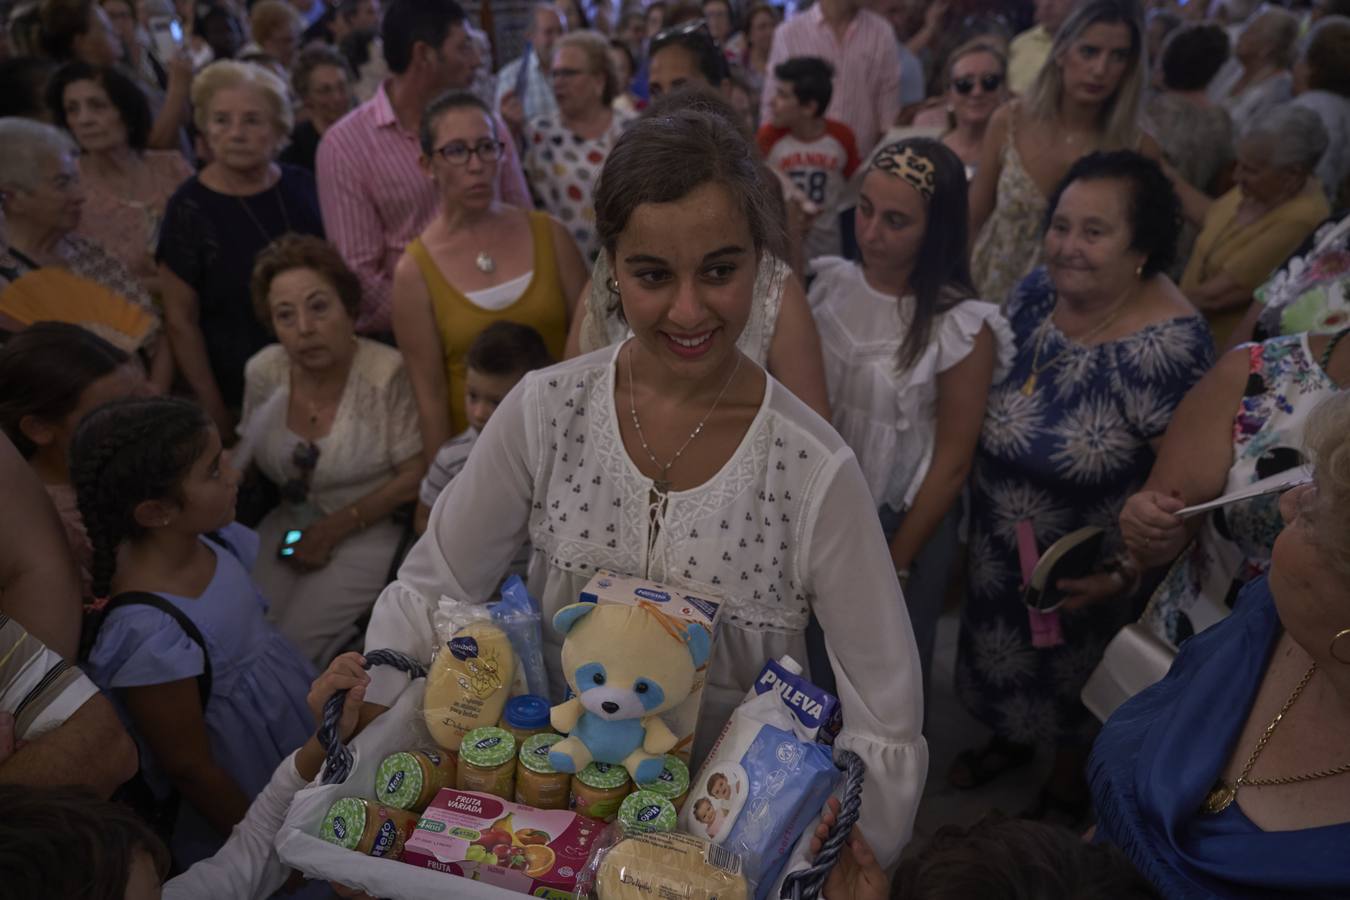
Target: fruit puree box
x=611, y=587
x=520, y=848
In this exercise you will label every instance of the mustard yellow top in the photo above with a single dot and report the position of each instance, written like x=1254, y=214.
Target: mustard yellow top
x=1250, y=254
x=459, y=320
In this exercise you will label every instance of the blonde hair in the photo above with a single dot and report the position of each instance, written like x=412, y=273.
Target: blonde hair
x=1327, y=441
x=270, y=16
x=1120, y=114
x=226, y=74
x=596, y=49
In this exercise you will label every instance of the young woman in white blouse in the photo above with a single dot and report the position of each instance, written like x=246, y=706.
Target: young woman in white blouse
x=674, y=457
x=909, y=358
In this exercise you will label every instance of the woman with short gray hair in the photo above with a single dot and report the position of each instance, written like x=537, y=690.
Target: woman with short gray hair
x=41, y=198
x=1259, y=78
x=1322, y=83
x=1249, y=231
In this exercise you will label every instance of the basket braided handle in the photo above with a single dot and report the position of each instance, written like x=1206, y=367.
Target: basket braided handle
x=338, y=759
x=806, y=884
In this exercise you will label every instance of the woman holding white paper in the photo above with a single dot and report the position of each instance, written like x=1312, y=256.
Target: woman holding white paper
x=1241, y=423
x=673, y=457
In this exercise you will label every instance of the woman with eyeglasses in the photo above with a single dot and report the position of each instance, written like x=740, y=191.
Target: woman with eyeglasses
x=977, y=75
x=563, y=155
x=330, y=418
x=478, y=262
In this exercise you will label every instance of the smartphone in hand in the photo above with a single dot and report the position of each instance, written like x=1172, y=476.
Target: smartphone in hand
x=168, y=36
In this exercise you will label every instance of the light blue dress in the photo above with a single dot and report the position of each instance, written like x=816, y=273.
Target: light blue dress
x=256, y=714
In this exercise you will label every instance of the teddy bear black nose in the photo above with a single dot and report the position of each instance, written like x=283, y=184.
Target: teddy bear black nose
x=610, y=707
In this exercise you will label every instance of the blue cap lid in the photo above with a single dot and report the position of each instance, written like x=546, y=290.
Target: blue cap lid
x=527, y=711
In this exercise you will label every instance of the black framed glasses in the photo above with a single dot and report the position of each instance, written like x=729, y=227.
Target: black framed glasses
x=304, y=458
x=988, y=83
x=458, y=152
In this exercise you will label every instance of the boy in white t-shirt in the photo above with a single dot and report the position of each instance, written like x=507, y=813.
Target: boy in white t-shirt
x=817, y=155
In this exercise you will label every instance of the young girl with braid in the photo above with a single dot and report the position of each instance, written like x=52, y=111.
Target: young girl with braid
x=158, y=503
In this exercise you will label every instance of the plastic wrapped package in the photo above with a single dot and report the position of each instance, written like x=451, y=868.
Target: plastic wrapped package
x=665, y=865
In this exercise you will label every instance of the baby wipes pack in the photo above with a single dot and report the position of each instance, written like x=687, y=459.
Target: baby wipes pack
x=763, y=784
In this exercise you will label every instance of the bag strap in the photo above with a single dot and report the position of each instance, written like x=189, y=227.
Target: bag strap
x=144, y=598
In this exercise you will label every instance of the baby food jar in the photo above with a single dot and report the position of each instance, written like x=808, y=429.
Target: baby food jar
x=672, y=783
x=646, y=811
x=487, y=762
x=368, y=827
x=598, y=789
x=525, y=716
x=410, y=780
x=538, y=784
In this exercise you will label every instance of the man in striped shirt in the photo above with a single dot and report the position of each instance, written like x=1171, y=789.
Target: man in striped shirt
x=861, y=46
x=65, y=731
x=374, y=195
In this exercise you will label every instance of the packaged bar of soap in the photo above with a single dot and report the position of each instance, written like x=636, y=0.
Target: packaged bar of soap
x=478, y=836
x=670, y=866
x=643, y=811
x=410, y=779
x=368, y=827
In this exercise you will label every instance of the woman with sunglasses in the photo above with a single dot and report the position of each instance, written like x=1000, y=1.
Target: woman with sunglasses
x=330, y=418
x=479, y=261
x=976, y=86
x=564, y=153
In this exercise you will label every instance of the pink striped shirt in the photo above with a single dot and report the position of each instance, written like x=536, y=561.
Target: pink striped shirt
x=375, y=198
x=866, y=70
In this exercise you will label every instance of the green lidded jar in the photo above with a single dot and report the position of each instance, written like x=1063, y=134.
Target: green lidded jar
x=644, y=811
x=672, y=783
x=411, y=779
x=487, y=762
x=367, y=827
x=598, y=789
x=538, y=784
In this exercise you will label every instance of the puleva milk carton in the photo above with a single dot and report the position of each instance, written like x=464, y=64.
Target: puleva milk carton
x=611, y=587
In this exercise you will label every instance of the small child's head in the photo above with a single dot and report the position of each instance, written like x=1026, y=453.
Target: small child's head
x=805, y=86
x=704, y=812
x=999, y=857
x=68, y=842
x=139, y=466
x=719, y=786
x=51, y=374
x=497, y=359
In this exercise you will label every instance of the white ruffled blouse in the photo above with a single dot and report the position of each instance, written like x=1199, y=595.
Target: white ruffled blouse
x=784, y=529
x=889, y=418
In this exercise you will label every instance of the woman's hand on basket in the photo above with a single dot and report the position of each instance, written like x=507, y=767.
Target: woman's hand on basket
x=346, y=673
x=857, y=875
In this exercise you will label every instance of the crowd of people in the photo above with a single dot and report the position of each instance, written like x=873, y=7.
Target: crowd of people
x=315, y=313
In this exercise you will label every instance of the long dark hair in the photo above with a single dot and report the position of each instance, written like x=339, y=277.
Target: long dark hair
x=43, y=371
x=123, y=454
x=941, y=276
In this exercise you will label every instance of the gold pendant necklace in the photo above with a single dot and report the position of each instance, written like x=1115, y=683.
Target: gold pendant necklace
x=1037, y=367
x=1223, y=794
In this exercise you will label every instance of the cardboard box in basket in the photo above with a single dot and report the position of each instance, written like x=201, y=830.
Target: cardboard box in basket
x=611, y=587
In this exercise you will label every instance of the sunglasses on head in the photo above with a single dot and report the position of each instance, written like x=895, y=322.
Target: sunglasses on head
x=304, y=457
x=987, y=83
x=680, y=34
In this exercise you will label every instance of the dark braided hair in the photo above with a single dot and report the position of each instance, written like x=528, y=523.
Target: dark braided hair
x=123, y=454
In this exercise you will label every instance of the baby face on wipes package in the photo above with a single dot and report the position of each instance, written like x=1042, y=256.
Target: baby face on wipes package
x=758, y=803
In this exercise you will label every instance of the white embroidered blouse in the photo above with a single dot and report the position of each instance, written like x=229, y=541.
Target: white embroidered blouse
x=786, y=527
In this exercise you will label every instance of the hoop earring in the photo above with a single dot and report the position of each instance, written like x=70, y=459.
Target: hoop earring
x=1343, y=660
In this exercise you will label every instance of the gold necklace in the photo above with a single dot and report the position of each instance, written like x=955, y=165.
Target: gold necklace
x=1029, y=386
x=1222, y=795
x=662, y=485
